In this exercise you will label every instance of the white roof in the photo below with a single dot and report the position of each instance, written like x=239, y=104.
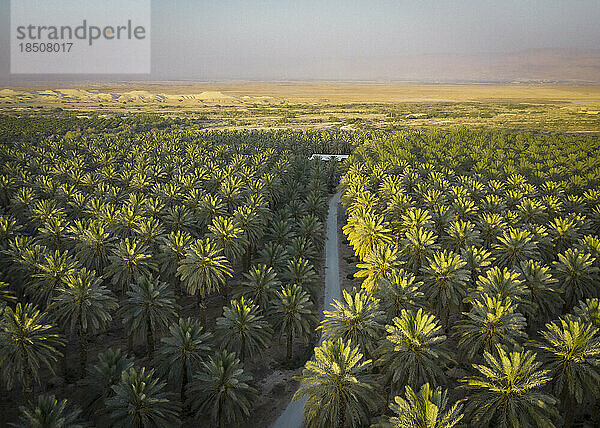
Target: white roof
x=328, y=157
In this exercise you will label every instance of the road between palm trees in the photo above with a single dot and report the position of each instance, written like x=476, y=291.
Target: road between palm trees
x=293, y=415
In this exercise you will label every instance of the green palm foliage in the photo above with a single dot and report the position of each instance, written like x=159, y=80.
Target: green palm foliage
x=544, y=290
x=222, y=391
x=577, y=275
x=507, y=392
x=83, y=306
x=477, y=260
x=229, y=237
x=129, y=261
x=490, y=322
x=515, y=246
x=356, y=319
x=492, y=226
x=413, y=351
x=48, y=412
x=294, y=314
x=589, y=311
x=260, y=285
x=301, y=272
x=366, y=233
x=274, y=255
x=92, y=246
x=504, y=284
x=28, y=342
x=6, y=296
x=572, y=351
x=148, y=309
x=140, y=401
x=183, y=351
x=399, y=291
x=204, y=269
x=445, y=282
x=462, y=234
x=418, y=245
x=338, y=388
x=427, y=408
x=377, y=265
x=242, y=329
x=102, y=376
x=53, y=270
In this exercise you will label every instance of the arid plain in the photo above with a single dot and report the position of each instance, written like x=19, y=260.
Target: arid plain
x=350, y=105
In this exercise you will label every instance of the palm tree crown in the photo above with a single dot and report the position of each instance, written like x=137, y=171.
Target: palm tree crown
x=337, y=385
x=426, y=408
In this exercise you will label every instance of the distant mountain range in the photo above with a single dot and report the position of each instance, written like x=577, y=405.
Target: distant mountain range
x=529, y=66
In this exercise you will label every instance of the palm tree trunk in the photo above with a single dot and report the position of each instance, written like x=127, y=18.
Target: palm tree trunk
x=201, y=309
x=27, y=388
x=82, y=350
x=341, y=416
x=149, y=337
x=225, y=293
x=243, y=351
x=183, y=385
x=220, y=413
x=289, y=346
x=569, y=408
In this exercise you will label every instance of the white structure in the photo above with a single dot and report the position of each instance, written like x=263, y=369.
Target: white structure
x=338, y=158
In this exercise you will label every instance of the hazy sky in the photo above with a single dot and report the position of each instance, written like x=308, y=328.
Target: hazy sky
x=281, y=39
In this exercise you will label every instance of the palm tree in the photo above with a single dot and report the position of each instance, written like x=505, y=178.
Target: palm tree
x=445, y=283
x=492, y=225
x=427, y=408
x=507, y=393
x=356, y=319
x=545, y=293
x=274, y=255
x=102, y=376
x=129, y=261
x=366, y=233
x=301, y=272
x=148, y=309
x=572, y=352
x=204, y=270
x=171, y=254
x=378, y=264
x=504, y=284
x=589, y=311
x=83, y=306
x=139, y=401
x=413, y=352
x=6, y=296
x=28, y=343
x=260, y=285
x=399, y=291
x=515, y=246
x=223, y=390
x=242, y=329
x=47, y=412
x=462, y=234
x=577, y=275
x=53, y=270
x=92, y=246
x=293, y=312
x=418, y=245
x=339, y=389
x=477, y=260
x=183, y=351
x=490, y=322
